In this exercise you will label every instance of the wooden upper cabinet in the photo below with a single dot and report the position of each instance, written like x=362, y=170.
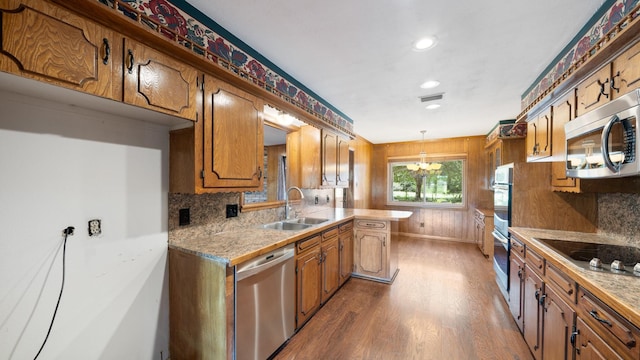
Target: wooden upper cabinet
x=563, y=112
x=329, y=157
x=47, y=43
x=539, y=131
x=156, y=81
x=594, y=91
x=342, y=162
x=303, y=158
x=233, y=137
x=626, y=71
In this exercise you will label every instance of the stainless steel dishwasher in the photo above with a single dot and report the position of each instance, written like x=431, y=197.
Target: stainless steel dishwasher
x=265, y=303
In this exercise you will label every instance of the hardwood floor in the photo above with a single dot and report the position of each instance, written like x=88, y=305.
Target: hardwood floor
x=444, y=304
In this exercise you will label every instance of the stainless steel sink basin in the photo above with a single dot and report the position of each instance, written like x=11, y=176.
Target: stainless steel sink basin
x=308, y=220
x=285, y=225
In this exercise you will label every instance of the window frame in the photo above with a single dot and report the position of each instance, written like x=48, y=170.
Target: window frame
x=394, y=161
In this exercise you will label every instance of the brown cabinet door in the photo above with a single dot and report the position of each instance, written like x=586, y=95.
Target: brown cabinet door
x=342, y=177
x=346, y=256
x=46, y=43
x=158, y=82
x=330, y=268
x=329, y=157
x=539, y=133
x=233, y=137
x=563, y=112
x=371, y=253
x=626, y=72
x=516, y=279
x=308, y=278
x=590, y=346
x=594, y=91
x=304, y=158
x=558, y=320
x=533, y=290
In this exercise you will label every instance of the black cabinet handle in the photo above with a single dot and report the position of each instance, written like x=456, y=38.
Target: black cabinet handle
x=594, y=314
x=542, y=298
x=131, y=61
x=574, y=335
x=613, y=82
x=107, y=51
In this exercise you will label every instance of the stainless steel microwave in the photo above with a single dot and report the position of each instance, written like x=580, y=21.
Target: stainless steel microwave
x=603, y=143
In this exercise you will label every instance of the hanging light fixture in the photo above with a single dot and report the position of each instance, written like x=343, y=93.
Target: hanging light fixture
x=423, y=167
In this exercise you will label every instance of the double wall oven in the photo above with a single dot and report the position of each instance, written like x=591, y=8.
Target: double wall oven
x=502, y=220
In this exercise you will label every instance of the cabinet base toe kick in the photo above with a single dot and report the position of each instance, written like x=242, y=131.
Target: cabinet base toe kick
x=378, y=279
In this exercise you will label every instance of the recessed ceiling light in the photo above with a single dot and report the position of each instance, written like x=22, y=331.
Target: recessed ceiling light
x=432, y=106
x=430, y=84
x=425, y=43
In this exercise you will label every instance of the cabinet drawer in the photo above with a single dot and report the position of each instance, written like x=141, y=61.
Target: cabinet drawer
x=622, y=334
x=346, y=227
x=329, y=234
x=565, y=286
x=308, y=243
x=371, y=224
x=517, y=247
x=535, y=261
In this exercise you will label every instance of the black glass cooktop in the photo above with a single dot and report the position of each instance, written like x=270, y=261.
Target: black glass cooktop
x=582, y=252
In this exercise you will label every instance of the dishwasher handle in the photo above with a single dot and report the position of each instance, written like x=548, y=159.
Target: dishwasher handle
x=264, y=262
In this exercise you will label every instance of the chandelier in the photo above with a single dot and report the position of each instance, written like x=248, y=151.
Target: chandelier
x=423, y=167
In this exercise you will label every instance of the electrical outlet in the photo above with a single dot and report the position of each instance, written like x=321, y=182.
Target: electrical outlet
x=184, y=217
x=421, y=224
x=316, y=199
x=232, y=210
x=95, y=227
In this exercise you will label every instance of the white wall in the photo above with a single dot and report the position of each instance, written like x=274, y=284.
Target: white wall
x=62, y=166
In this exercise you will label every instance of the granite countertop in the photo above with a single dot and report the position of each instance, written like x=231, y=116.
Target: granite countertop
x=237, y=246
x=618, y=291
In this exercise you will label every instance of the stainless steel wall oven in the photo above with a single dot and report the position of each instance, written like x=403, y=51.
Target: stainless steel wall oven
x=502, y=221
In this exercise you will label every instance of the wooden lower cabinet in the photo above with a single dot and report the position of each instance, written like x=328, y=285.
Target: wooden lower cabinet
x=317, y=272
x=516, y=288
x=308, y=280
x=533, y=290
x=590, y=346
x=375, y=254
x=483, y=221
x=330, y=262
x=561, y=320
x=557, y=319
x=346, y=251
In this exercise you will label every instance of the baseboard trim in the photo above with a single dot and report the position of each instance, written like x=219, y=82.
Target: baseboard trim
x=432, y=237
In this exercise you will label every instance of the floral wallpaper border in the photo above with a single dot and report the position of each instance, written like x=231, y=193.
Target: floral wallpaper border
x=584, y=43
x=177, y=25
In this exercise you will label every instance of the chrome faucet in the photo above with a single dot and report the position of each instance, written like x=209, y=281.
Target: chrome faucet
x=286, y=200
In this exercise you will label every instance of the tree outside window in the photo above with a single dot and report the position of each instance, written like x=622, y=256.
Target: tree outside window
x=427, y=187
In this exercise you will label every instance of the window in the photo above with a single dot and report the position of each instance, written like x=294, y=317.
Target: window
x=435, y=186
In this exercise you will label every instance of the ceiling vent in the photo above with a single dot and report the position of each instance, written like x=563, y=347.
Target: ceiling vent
x=431, y=97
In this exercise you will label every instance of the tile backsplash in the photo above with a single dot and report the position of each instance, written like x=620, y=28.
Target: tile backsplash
x=619, y=216
x=208, y=212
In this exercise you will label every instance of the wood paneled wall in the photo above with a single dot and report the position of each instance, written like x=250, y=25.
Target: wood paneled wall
x=535, y=204
x=450, y=224
x=362, y=170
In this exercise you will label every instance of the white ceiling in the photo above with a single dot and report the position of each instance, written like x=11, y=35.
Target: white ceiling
x=357, y=55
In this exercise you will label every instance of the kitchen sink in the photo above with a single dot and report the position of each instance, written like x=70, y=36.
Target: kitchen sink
x=308, y=220
x=286, y=225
